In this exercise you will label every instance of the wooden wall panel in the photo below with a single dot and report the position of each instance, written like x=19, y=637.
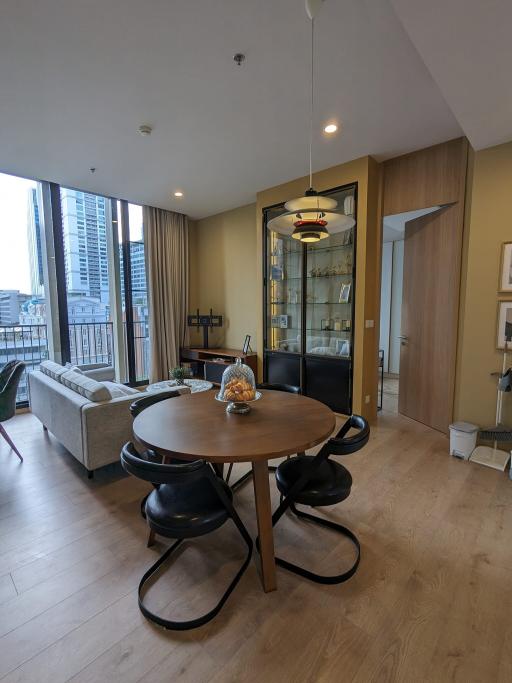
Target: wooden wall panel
x=429, y=177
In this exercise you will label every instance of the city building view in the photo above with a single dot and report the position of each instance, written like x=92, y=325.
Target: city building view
x=24, y=314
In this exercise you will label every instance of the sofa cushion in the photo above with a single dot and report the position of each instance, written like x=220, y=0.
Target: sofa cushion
x=75, y=368
x=85, y=386
x=53, y=370
x=116, y=390
x=101, y=372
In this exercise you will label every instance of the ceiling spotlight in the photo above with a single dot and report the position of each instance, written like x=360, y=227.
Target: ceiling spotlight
x=239, y=58
x=178, y=193
x=330, y=128
x=145, y=130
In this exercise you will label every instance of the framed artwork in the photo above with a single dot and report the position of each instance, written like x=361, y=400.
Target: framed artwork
x=504, y=323
x=506, y=268
x=345, y=294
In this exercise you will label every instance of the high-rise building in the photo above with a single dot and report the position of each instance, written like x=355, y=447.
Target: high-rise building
x=138, y=266
x=11, y=303
x=85, y=244
x=35, y=245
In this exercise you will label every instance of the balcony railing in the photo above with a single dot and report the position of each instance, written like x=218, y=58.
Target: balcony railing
x=89, y=343
x=28, y=343
x=141, y=348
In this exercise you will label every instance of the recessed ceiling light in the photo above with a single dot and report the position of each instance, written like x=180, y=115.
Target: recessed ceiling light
x=145, y=130
x=178, y=193
x=330, y=128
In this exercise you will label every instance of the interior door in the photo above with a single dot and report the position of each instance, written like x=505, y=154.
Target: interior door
x=430, y=302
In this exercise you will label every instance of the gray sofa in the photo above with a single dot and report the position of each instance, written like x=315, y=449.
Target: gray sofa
x=82, y=414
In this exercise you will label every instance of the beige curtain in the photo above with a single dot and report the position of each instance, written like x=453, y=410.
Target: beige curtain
x=166, y=242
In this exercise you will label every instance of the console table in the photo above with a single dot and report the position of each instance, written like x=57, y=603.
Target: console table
x=211, y=363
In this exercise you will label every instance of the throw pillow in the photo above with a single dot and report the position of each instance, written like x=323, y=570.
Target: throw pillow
x=53, y=370
x=117, y=390
x=85, y=386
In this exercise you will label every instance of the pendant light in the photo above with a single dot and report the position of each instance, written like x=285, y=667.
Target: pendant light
x=312, y=217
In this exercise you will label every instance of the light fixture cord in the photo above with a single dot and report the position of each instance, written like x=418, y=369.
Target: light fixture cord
x=311, y=108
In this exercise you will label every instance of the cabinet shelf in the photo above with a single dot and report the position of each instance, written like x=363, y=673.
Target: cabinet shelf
x=310, y=303
x=347, y=276
x=317, y=329
x=326, y=250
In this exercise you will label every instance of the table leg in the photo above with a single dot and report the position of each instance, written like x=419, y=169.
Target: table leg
x=264, y=517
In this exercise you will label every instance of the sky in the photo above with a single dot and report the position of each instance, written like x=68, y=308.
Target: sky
x=14, y=258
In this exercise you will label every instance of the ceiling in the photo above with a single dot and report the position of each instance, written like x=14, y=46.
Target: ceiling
x=77, y=80
x=467, y=47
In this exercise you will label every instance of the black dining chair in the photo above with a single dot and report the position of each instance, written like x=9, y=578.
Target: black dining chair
x=147, y=400
x=190, y=501
x=136, y=408
x=317, y=481
x=10, y=376
x=289, y=389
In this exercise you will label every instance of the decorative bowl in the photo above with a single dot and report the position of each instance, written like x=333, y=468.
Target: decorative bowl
x=238, y=388
x=238, y=407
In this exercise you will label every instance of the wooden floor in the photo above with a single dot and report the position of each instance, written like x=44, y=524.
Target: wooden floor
x=432, y=600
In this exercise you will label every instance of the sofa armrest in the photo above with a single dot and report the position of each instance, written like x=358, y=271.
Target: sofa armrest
x=106, y=427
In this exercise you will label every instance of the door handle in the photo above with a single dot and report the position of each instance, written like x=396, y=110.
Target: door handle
x=403, y=337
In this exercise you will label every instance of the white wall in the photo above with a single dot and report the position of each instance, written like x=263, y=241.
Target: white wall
x=391, y=303
x=385, y=305
x=396, y=306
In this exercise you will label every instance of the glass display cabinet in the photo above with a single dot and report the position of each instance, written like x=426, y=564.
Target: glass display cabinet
x=309, y=309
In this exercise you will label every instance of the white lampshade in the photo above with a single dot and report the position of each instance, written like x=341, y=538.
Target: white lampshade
x=315, y=201
x=334, y=221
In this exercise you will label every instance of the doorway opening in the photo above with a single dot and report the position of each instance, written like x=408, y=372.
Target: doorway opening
x=393, y=295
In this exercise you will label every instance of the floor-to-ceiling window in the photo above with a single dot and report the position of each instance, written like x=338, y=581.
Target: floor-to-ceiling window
x=23, y=331
x=85, y=230
x=139, y=293
x=134, y=292
x=72, y=279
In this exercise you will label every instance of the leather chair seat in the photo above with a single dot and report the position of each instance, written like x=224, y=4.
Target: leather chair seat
x=330, y=483
x=185, y=510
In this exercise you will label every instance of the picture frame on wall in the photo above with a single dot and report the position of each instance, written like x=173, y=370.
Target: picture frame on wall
x=505, y=284
x=504, y=323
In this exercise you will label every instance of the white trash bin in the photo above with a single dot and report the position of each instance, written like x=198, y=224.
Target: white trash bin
x=462, y=439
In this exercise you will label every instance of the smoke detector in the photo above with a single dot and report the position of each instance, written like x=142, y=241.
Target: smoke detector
x=145, y=130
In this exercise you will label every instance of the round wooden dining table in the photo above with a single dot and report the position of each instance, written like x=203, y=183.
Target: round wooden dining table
x=196, y=426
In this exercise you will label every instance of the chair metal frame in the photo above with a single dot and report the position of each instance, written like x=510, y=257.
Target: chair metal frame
x=136, y=408
x=167, y=473
x=339, y=445
x=10, y=376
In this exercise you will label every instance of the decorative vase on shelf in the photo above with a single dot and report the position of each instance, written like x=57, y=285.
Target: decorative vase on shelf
x=238, y=388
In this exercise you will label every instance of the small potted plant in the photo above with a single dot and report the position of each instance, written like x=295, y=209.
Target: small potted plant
x=178, y=374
